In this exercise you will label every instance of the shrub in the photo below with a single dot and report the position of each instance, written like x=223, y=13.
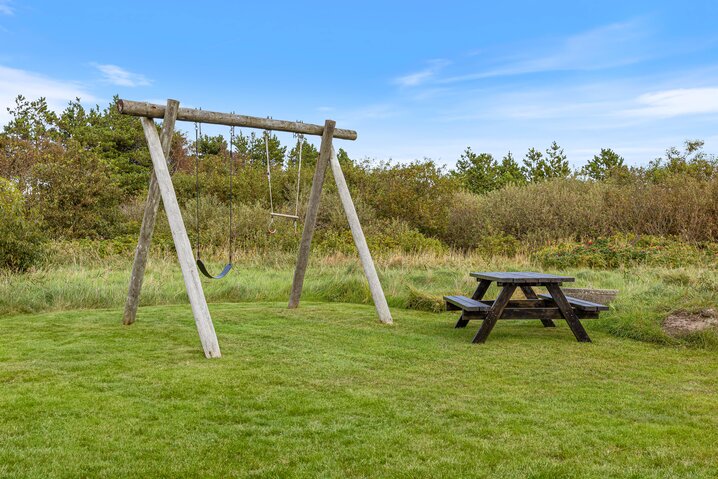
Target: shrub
x=391, y=237
x=465, y=221
x=21, y=239
x=498, y=244
x=74, y=190
x=626, y=250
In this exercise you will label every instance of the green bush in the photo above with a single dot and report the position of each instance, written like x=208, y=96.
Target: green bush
x=74, y=190
x=626, y=250
x=498, y=244
x=21, y=238
x=393, y=237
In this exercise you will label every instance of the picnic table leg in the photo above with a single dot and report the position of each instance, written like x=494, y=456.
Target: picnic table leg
x=568, y=313
x=478, y=294
x=531, y=294
x=494, y=313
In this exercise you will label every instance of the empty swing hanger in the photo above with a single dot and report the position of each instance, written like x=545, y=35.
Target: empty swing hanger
x=272, y=213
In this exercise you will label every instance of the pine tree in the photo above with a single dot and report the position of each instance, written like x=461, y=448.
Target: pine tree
x=477, y=171
x=535, y=166
x=557, y=162
x=508, y=172
x=603, y=166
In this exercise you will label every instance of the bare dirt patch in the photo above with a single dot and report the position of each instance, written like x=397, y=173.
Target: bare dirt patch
x=681, y=323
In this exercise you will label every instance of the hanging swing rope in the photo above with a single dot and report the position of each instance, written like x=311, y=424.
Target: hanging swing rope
x=270, y=228
x=300, y=140
x=200, y=264
x=272, y=214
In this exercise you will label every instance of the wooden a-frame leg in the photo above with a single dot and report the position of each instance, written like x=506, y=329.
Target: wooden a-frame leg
x=494, y=313
x=310, y=220
x=568, y=313
x=148, y=220
x=377, y=293
x=203, y=321
x=478, y=294
x=531, y=294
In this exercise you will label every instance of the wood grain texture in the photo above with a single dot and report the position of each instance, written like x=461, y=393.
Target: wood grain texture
x=151, y=110
x=479, y=293
x=310, y=219
x=521, y=277
x=568, y=313
x=494, y=314
x=202, y=318
x=148, y=220
x=377, y=292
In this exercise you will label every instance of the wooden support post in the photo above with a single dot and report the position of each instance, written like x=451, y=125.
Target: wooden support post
x=149, y=219
x=531, y=294
x=494, y=313
x=479, y=293
x=310, y=220
x=377, y=293
x=568, y=313
x=205, y=328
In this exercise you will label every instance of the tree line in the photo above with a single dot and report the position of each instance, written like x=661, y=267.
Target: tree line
x=82, y=174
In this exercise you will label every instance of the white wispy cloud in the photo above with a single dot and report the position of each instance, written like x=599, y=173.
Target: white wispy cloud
x=14, y=82
x=676, y=102
x=6, y=8
x=421, y=76
x=119, y=76
x=608, y=46
x=604, y=47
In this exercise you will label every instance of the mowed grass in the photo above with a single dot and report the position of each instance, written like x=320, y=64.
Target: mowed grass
x=326, y=391
x=646, y=294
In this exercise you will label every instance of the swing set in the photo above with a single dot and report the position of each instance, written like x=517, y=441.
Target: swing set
x=191, y=263
x=230, y=172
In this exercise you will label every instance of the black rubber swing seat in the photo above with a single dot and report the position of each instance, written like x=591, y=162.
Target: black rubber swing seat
x=203, y=270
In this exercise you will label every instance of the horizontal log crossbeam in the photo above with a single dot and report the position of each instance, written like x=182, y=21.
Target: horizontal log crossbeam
x=151, y=110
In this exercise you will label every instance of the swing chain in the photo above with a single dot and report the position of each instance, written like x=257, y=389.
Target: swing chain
x=197, y=136
x=231, y=191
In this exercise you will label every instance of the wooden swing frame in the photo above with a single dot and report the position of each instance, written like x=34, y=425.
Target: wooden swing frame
x=161, y=187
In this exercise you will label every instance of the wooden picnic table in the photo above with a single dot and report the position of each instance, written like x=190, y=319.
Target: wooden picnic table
x=544, y=307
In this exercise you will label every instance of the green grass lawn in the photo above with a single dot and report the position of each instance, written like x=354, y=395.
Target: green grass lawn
x=326, y=391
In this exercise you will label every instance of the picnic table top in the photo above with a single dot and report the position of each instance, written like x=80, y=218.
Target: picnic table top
x=521, y=277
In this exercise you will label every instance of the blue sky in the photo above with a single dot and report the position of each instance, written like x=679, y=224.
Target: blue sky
x=415, y=79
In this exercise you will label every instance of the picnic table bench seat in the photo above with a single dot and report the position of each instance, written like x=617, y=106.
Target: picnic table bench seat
x=463, y=303
x=580, y=304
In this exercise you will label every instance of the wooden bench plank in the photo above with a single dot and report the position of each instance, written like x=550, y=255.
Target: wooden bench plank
x=521, y=277
x=580, y=304
x=549, y=313
x=465, y=304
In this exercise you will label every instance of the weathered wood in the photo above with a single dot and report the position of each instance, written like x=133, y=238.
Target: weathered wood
x=580, y=304
x=310, y=219
x=479, y=293
x=528, y=292
x=568, y=313
x=521, y=277
x=531, y=294
x=481, y=289
x=151, y=110
x=148, y=220
x=377, y=293
x=533, y=314
x=524, y=303
x=283, y=215
x=462, y=303
x=202, y=318
x=494, y=313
